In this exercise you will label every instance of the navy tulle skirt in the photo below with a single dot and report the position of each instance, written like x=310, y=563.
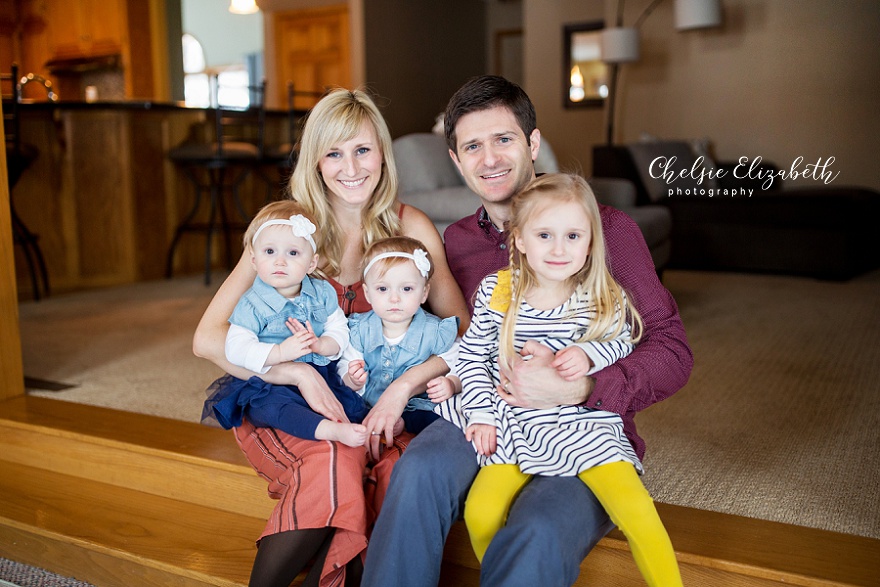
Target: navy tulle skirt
x=275, y=406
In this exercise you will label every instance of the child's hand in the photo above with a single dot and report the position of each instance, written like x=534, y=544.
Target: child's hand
x=357, y=372
x=483, y=437
x=296, y=327
x=572, y=363
x=441, y=388
x=295, y=346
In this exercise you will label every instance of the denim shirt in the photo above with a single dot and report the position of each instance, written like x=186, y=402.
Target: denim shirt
x=265, y=311
x=426, y=336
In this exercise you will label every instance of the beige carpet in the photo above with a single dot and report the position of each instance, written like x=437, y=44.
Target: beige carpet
x=780, y=420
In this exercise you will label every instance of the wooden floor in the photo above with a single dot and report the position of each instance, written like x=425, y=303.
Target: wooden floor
x=117, y=498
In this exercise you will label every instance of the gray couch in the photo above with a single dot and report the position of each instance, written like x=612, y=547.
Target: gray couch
x=430, y=181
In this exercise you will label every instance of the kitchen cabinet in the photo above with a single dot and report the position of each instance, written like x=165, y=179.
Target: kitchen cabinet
x=86, y=28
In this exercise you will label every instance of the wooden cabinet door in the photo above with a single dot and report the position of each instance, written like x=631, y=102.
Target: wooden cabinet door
x=105, y=26
x=65, y=34
x=312, y=51
x=85, y=28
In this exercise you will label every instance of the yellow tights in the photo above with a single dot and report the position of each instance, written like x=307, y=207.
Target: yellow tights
x=617, y=487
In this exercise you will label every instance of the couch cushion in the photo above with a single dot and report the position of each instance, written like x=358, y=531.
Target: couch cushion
x=655, y=222
x=423, y=163
x=546, y=161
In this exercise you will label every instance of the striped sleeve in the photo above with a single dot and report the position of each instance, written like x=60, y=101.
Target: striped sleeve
x=477, y=355
x=607, y=352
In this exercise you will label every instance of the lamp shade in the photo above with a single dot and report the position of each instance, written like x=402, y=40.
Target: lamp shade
x=697, y=14
x=243, y=6
x=619, y=45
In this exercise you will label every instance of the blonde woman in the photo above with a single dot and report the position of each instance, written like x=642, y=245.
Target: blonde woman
x=557, y=291
x=346, y=180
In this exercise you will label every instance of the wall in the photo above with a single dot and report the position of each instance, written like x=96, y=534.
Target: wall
x=502, y=18
x=571, y=132
x=419, y=53
x=779, y=79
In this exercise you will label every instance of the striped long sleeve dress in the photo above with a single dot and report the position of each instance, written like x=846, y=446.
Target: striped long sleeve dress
x=558, y=441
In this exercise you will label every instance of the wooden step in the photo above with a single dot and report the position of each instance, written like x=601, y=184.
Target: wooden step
x=110, y=535
x=178, y=462
x=164, y=457
x=714, y=550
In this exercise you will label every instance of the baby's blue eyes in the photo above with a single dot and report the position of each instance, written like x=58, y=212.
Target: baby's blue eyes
x=292, y=252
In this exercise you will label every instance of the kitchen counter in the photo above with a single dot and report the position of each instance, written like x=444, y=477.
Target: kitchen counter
x=103, y=197
x=133, y=105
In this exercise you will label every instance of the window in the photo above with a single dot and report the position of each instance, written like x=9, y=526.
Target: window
x=196, y=87
x=233, y=80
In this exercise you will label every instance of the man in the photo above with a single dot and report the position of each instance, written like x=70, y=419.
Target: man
x=491, y=131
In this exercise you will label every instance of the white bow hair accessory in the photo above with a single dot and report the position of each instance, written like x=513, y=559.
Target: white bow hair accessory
x=299, y=224
x=419, y=257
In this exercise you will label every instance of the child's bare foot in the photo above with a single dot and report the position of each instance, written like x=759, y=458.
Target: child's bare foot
x=353, y=435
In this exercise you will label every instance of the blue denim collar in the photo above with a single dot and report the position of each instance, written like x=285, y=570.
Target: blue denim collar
x=411, y=340
x=275, y=300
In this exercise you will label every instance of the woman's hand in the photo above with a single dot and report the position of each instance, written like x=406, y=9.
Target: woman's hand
x=381, y=420
x=312, y=387
x=484, y=438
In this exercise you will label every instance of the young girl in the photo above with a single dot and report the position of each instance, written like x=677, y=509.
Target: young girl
x=285, y=316
x=397, y=333
x=559, y=292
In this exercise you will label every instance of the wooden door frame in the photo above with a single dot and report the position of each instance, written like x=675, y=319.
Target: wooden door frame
x=11, y=371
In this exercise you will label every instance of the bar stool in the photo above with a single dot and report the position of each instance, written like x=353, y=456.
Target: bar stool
x=220, y=167
x=20, y=156
x=281, y=157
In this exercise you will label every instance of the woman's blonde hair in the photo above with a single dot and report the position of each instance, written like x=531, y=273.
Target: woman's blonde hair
x=593, y=279
x=280, y=210
x=394, y=244
x=339, y=117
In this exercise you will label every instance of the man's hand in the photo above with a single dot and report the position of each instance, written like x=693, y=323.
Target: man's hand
x=484, y=438
x=535, y=383
x=572, y=363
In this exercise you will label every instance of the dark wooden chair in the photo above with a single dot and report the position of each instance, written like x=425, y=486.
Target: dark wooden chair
x=20, y=156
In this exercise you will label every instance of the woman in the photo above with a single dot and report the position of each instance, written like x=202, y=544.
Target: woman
x=346, y=179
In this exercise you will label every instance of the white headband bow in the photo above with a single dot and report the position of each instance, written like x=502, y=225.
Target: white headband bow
x=301, y=226
x=419, y=257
